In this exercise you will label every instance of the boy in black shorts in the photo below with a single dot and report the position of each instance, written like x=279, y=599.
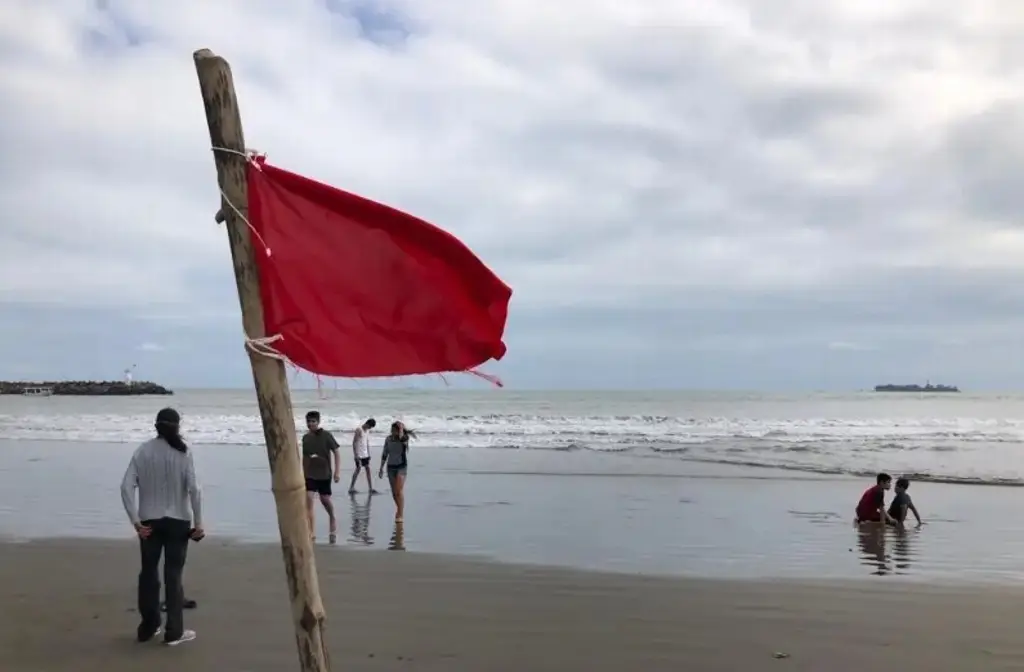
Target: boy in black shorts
x=361, y=455
x=317, y=446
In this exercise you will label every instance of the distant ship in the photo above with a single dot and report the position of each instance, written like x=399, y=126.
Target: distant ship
x=927, y=387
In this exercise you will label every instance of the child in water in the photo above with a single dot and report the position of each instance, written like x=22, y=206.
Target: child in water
x=871, y=507
x=901, y=502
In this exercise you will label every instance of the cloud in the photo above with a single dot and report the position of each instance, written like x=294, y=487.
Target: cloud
x=669, y=188
x=151, y=347
x=850, y=347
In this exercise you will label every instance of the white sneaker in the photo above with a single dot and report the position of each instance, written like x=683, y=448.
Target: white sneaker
x=186, y=636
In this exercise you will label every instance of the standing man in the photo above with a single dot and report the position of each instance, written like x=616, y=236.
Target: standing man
x=317, y=446
x=361, y=453
x=168, y=514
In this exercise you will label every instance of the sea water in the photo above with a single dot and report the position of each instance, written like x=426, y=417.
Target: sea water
x=956, y=437
x=739, y=485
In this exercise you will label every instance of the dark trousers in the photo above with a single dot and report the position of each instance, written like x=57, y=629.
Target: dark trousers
x=169, y=537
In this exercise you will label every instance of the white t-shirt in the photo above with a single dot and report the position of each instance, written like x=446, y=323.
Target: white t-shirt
x=361, y=443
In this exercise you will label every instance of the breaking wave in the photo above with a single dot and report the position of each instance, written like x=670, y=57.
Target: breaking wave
x=953, y=450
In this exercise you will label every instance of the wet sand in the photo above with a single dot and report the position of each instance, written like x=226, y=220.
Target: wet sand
x=68, y=606
x=578, y=510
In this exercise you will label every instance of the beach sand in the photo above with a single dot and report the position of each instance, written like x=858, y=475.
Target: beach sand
x=68, y=606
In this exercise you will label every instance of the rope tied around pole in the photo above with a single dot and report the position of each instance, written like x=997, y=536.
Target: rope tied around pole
x=264, y=345
x=250, y=156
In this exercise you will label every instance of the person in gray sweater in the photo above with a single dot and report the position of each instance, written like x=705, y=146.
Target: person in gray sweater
x=395, y=458
x=168, y=514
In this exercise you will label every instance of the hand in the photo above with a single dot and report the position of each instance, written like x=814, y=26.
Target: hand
x=380, y=473
x=197, y=533
x=143, y=530
x=337, y=477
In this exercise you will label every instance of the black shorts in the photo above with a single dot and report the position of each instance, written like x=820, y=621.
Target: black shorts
x=319, y=486
x=362, y=462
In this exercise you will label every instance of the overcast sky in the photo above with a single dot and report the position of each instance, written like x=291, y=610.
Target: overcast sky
x=753, y=194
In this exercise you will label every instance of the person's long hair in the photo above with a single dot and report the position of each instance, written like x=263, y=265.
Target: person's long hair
x=407, y=433
x=403, y=432
x=168, y=428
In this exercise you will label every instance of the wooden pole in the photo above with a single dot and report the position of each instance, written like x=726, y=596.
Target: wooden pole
x=272, y=393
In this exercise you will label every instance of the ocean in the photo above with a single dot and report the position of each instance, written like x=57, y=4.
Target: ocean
x=941, y=437
x=710, y=484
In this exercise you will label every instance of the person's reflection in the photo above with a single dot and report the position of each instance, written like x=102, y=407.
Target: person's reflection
x=874, y=553
x=397, y=542
x=902, y=552
x=871, y=538
x=360, y=530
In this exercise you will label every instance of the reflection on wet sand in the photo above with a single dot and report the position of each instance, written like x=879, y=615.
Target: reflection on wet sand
x=886, y=551
x=360, y=531
x=397, y=542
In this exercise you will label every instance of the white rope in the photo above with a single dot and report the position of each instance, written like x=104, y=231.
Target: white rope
x=245, y=219
x=250, y=156
x=264, y=346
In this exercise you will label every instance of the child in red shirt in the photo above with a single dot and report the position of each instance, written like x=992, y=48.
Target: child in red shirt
x=871, y=507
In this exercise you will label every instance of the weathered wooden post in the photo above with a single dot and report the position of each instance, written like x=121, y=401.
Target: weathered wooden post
x=272, y=393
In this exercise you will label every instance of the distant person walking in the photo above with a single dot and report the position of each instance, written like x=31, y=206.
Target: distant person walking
x=361, y=454
x=395, y=459
x=169, y=513
x=319, y=448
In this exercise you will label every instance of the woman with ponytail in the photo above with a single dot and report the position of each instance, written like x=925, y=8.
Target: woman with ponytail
x=395, y=459
x=168, y=428
x=169, y=513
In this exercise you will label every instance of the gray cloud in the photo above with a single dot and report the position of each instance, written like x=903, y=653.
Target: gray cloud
x=733, y=194
x=984, y=153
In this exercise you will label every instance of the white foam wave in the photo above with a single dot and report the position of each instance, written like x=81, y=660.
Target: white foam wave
x=946, y=447
x=536, y=430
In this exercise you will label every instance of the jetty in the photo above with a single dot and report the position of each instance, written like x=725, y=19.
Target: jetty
x=926, y=388
x=83, y=388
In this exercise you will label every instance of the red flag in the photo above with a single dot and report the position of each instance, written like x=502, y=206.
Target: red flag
x=358, y=290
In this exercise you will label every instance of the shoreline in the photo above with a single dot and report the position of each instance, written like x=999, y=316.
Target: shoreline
x=527, y=507
x=732, y=470
x=429, y=612
x=682, y=469
x=868, y=582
